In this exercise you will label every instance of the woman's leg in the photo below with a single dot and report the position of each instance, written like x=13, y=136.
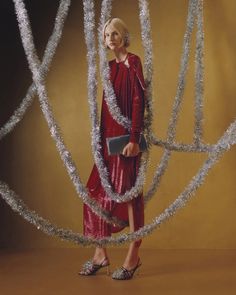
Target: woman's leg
x=132, y=257
x=99, y=255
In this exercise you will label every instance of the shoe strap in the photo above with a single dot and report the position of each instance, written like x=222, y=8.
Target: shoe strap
x=131, y=271
x=102, y=263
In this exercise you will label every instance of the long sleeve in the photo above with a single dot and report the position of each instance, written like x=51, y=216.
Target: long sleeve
x=138, y=104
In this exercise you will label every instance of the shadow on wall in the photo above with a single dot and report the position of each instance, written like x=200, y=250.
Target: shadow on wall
x=17, y=78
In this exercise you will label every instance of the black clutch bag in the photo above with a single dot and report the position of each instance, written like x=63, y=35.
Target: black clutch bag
x=115, y=145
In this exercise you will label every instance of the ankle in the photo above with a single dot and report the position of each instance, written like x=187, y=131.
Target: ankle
x=131, y=262
x=99, y=255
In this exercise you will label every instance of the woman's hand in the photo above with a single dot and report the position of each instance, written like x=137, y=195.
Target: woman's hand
x=131, y=150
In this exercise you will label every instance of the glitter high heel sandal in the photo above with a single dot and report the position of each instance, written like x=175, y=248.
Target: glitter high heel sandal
x=90, y=268
x=124, y=274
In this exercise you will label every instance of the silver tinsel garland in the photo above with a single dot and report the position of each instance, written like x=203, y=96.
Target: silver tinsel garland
x=110, y=96
x=214, y=151
x=162, y=166
x=148, y=67
x=111, y=100
x=92, y=93
x=104, y=66
x=54, y=130
x=47, y=59
x=224, y=143
x=171, y=132
x=39, y=80
x=198, y=131
x=143, y=8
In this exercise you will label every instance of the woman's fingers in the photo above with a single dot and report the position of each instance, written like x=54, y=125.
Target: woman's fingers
x=130, y=150
x=124, y=151
x=127, y=151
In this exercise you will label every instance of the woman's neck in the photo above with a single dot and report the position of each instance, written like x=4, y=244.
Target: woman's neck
x=120, y=54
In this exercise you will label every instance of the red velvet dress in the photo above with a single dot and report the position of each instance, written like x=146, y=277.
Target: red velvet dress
x=129, y=86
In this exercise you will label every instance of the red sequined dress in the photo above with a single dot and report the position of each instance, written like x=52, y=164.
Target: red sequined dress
x=129, y=86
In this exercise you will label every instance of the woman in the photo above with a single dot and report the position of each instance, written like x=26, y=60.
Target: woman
x=128, y=83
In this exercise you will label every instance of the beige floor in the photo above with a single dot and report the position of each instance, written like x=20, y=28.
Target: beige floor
x=54, y=271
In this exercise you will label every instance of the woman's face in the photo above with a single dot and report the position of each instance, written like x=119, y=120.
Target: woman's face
x=112, y=38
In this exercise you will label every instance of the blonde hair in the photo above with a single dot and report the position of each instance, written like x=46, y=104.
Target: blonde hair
x=121, y=28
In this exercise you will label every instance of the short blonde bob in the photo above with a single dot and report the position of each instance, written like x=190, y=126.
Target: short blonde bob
x=121, y=28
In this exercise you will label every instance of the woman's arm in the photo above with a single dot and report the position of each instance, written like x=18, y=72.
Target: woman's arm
x=137, y=112
x=132, y=148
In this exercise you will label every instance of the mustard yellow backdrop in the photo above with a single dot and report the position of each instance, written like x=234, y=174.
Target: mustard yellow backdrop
x=30, y=162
